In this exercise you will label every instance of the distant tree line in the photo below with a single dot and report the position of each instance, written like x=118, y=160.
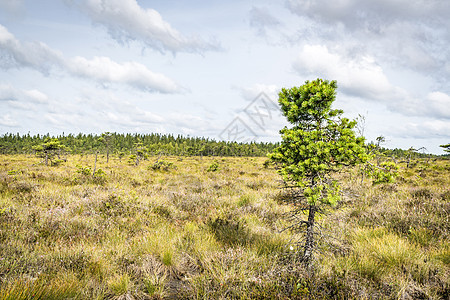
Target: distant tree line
x=127, y=144
x=167, y=144
x=411, y=153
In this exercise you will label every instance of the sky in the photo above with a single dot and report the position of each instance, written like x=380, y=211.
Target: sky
x=214, y=68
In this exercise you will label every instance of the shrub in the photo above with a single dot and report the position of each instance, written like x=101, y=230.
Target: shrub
x=213, y=167
x=385, y=173
x=98, y=177
x=162, y=165
x=132, y=159
x=86, y=171
x=57, y=162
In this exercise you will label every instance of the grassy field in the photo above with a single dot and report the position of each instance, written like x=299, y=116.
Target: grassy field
x=211, y=228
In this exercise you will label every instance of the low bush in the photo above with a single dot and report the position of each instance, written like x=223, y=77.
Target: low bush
x=162, y=165
x=213, y=167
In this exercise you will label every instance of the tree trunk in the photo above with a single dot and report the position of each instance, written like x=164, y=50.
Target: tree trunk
x=95, y=164
x=310, y=243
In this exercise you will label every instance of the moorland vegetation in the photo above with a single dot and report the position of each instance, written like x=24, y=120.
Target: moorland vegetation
x=212, y=228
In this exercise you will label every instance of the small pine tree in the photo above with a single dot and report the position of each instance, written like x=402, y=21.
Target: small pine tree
x=106, y=139
x=48, y=150
x=446, y=147
x=319, y=143
x=140, y=152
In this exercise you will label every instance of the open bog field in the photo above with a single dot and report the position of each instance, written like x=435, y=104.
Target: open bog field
x=211, y=228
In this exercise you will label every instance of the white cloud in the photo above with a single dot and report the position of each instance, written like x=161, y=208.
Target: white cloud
x=434, y=104
x=251, y=92
x=105, y=70
x=423, y=130
x=42, y=58
x=189, y=122
x=7, y=93
x=5, y=35
x=11, y=94
x=36, y=96
x=124, y=117
x=8, y=121
x=361, y=78
x=126, y=20
x=33, y=55
x=18, y=102
x=410, y=34
x=371, y=15
x=439, y=105
x=112, y=111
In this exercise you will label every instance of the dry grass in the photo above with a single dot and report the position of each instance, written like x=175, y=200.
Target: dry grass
x=135, y=232
x=395, y=236
x=185, y=229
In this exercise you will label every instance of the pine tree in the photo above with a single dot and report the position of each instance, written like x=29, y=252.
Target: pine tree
x=446, y=147
x=319, y=143
x=48, y=150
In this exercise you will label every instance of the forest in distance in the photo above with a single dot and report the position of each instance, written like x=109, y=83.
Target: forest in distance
x=126, y=144
x=154, y=143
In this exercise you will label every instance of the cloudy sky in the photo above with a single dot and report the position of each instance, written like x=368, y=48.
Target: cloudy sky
x=214, y=68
